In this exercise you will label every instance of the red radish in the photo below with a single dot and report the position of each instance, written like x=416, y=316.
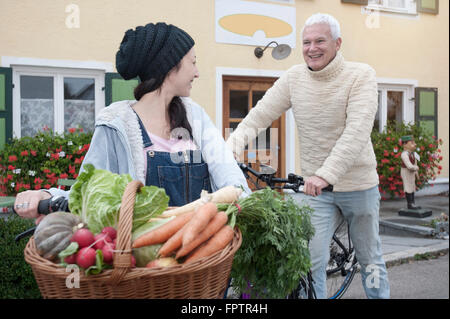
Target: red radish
x=100, y=240
x=83, y=237
x=110, y=231
x=108, y=253
x=86, y=257
x=72, y=259
x=133, y=261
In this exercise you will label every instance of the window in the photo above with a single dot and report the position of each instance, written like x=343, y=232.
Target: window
x=396, y=6
x=55, y=98
x=395, y=102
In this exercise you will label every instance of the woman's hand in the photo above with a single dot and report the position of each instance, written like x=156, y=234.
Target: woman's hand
x=26, y=204
x=314, y=185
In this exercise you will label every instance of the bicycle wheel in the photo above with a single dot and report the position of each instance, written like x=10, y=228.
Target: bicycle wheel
x=342, y=265
x=305, y=289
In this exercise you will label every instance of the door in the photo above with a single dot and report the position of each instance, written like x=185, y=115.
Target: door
x=240, y=95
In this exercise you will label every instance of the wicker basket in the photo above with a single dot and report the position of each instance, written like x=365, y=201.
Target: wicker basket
x=205, y=278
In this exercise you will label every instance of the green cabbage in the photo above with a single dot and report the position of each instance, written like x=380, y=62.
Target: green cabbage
x=97, y=194
x=146, y=254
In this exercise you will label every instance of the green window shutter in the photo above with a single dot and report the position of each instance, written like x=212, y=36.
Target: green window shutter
x=428, y=6
x=5, y=105
x=360, y=2
x=426, y=109
x=118, y=89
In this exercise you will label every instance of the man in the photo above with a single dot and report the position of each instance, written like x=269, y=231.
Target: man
x=334, y=103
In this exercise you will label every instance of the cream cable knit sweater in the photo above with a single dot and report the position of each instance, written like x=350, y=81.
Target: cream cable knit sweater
x=334, y=110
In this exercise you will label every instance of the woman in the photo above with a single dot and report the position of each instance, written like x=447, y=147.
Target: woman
x=163, y=138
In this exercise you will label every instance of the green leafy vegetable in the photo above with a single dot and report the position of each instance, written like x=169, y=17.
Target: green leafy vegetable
x=97, y=195
x=69, y=250
x=274, y=254
x=99, y=264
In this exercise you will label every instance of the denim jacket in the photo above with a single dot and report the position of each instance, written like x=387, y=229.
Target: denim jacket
x=117, y=146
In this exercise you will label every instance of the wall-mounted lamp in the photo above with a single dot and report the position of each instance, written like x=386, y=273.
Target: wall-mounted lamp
x=279, y=52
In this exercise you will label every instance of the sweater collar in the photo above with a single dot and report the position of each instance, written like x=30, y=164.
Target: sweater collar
x=331, y=70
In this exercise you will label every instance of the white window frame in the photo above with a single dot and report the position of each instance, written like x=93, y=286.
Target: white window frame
x=58, y=75
x=411, y=7
x=406, y=86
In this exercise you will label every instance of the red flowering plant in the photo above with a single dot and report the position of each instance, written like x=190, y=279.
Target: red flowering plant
x=388, y=149
x=31, y=163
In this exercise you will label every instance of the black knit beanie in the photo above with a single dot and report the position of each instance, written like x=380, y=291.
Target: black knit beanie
x=151, y=51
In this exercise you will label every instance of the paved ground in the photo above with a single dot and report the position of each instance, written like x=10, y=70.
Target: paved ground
x=419, y=279
x=404, y=237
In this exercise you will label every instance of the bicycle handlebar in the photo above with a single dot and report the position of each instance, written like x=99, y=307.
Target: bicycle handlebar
x=45, y=207
x=293, y=182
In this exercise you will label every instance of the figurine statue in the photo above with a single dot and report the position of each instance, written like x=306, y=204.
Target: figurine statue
x=409, y=170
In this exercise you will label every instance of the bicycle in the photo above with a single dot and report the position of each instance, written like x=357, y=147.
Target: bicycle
x=342, y=265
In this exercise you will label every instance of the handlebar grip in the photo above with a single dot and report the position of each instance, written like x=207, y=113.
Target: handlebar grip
x=44, y=206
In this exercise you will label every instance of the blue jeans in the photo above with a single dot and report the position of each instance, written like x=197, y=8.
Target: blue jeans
x=361, y=211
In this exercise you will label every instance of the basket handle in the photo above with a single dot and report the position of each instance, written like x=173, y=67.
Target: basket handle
x=122, y=255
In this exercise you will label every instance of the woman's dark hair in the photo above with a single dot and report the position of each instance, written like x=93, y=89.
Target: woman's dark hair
x=177, y=110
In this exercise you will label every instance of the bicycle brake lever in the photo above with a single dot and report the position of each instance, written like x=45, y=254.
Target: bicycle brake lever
x=26, y=233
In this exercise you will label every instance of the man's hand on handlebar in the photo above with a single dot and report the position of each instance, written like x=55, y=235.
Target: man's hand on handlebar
x=314, y=185
x=26, y=204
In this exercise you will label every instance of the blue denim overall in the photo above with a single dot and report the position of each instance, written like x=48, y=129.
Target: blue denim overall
x=183, y=175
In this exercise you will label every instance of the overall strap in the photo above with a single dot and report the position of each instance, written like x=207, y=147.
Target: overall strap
x=145, y=138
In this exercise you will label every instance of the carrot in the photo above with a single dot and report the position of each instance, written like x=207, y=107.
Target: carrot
x=162, y=233
x=217, y=242
x=172, y=244
x=227, y=194
x=199, y=222
x=213, y=227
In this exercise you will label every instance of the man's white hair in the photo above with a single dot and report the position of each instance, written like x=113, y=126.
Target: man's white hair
x=324, y=18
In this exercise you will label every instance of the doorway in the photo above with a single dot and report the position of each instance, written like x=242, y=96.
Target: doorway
x=240, y=95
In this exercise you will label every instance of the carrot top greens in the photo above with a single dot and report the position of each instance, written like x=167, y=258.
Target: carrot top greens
x=274, y=254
